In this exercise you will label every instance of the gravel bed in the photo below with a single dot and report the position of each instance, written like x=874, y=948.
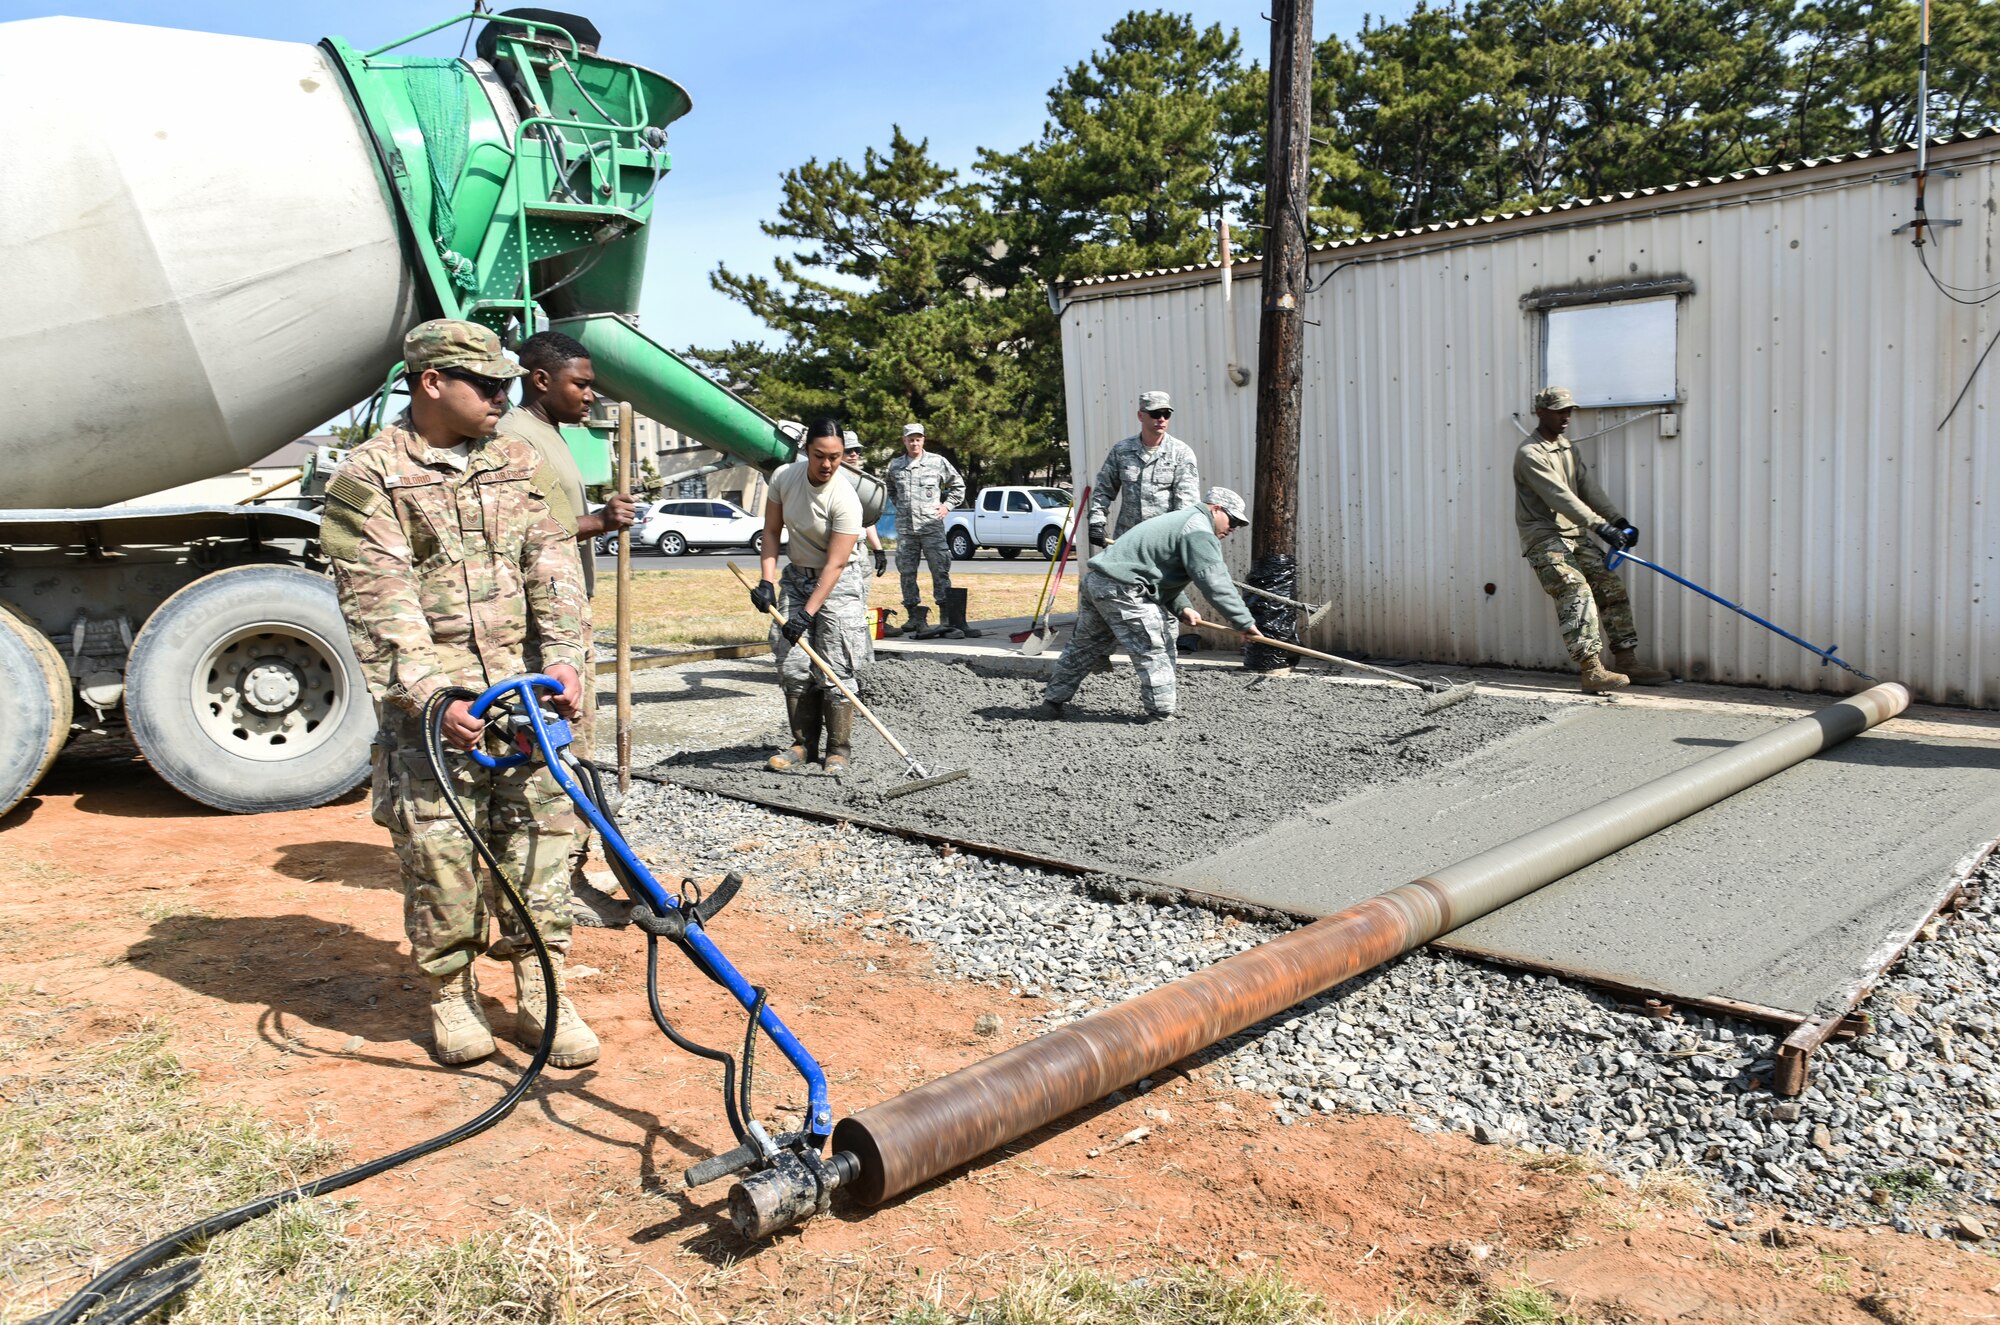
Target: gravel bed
x=1900, y=1127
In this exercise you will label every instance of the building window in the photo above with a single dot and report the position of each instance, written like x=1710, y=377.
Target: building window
x=1613, y=354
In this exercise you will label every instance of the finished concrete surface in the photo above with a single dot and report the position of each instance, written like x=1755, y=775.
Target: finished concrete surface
x=1782, y=896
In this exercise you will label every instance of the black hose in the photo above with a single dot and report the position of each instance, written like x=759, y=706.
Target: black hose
x=184, y=1240
x=750, y=1049
x=728, y=1062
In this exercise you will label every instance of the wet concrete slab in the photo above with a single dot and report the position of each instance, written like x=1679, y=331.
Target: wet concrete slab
x=1787, y=896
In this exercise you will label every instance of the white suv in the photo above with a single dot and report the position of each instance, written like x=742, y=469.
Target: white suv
x=674, y=527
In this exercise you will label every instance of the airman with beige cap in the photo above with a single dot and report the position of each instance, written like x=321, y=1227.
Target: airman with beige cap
x=1148, y=473
x=1557, y=505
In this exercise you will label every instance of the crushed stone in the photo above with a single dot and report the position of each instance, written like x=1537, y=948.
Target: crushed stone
x=1899, y=1128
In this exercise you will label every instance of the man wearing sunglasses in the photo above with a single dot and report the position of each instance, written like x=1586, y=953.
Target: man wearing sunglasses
x=453, y=571
x=1149, y=473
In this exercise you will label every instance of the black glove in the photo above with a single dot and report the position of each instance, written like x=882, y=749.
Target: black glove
x=1631, y=532
x=1613, y=536
x=881, y=561
x=764, y=597
x=799, y=625
x=1097, y=538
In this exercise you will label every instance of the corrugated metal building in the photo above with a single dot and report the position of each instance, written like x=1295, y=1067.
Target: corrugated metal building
x=1772, y=366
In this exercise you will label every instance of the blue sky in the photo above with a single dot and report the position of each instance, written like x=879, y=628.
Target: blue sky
x=773, y=83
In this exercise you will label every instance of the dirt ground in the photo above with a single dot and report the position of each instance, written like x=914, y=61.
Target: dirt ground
x=272, y=950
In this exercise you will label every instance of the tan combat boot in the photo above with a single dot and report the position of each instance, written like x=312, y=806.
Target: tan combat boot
x=575, y=1044
x=1627, y=661
x=1597, y=681
x=458, y=1027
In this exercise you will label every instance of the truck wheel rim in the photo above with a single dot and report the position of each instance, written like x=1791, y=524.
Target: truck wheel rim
x=271, y=692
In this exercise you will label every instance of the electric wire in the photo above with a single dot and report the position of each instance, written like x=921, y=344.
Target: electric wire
x=98, y=1292
x=1947, y=290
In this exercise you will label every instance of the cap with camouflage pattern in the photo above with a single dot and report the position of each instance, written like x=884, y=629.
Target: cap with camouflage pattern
x=1231, y=505
x=449, y=343
x=913, y=430
x=1554, y=397
x=849, y=442
x=1155, y=400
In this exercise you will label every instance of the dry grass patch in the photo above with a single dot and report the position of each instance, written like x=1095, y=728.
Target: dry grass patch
x=707, y=606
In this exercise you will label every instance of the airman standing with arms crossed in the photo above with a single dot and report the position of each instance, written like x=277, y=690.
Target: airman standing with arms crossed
x=1149, y=473
x=557, y=389
x=926, y=487
x=823, y=594
x=451, y=570
x=1557, y=505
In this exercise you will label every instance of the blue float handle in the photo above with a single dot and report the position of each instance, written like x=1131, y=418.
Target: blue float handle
x=819, y=1108
x=1613, y=556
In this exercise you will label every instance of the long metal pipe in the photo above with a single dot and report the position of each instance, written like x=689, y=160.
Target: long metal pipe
x=918, y=1135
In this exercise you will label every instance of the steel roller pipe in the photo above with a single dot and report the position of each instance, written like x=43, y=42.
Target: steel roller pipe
x=933, y=1129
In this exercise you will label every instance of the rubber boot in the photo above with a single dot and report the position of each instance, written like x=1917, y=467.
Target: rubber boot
x=955, y=612
x=806, y=713
x=839, y=736
x=575, y=1043
x=1597, y=681
x=892, y=631
x=458, y=1027
x=1627, y=661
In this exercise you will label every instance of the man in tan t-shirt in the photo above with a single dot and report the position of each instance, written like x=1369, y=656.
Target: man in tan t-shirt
x=824, y=593
x=558, y=389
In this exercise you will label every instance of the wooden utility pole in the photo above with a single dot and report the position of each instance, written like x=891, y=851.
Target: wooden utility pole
x=1280, y=332
x=624, y=627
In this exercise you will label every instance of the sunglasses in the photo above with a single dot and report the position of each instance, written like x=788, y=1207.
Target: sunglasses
x=1159, y=414
x=492, y=388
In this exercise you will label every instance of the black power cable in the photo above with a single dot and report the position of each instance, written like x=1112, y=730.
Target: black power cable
x=155, y=1290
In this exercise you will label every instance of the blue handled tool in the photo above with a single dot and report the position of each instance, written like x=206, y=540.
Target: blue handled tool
x=1613, y=556
x=783, y=1178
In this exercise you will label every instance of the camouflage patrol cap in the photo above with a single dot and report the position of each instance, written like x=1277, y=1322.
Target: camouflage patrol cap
x=1155, y=400
x=849, y=441
x=449, y=343
x=1554, y=397
x=1230, y=503
x=913, y=430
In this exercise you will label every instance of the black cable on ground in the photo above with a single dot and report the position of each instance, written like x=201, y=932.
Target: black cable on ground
x=1278, y=574
x=162, y=1288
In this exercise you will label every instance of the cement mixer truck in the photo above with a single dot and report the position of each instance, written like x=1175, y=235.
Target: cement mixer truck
x=213, y=244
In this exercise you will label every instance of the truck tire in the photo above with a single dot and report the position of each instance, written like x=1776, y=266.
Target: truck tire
x=962, y=546
x=1050, y=543
x=35, y=706
x=1008, y=553
x=242, y=691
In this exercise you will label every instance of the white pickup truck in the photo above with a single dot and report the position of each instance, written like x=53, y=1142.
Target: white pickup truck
x=1008, y=520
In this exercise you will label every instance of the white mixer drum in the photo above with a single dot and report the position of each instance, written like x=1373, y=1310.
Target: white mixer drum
x=198, y=258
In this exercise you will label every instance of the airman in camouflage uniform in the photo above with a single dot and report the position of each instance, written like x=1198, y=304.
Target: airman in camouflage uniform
x=1557, y=503
x=1149, y=473
x=925, y=486
x=1131, y=593
x=823, y=593
x=451, y=569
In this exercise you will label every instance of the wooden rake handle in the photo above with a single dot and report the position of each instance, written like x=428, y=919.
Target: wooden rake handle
x=849, y=695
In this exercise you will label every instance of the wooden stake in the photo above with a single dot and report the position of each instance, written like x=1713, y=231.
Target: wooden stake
x=624, y=628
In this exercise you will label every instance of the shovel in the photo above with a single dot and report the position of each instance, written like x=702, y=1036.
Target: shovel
x=1036, y=642
x=1437, y=695
x=918, y=777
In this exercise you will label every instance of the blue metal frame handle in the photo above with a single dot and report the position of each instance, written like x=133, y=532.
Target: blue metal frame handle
x=1613, y=556
x=709, y=957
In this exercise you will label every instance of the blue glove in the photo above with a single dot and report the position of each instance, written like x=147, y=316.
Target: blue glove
x=799, y=625
x=764, y=597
